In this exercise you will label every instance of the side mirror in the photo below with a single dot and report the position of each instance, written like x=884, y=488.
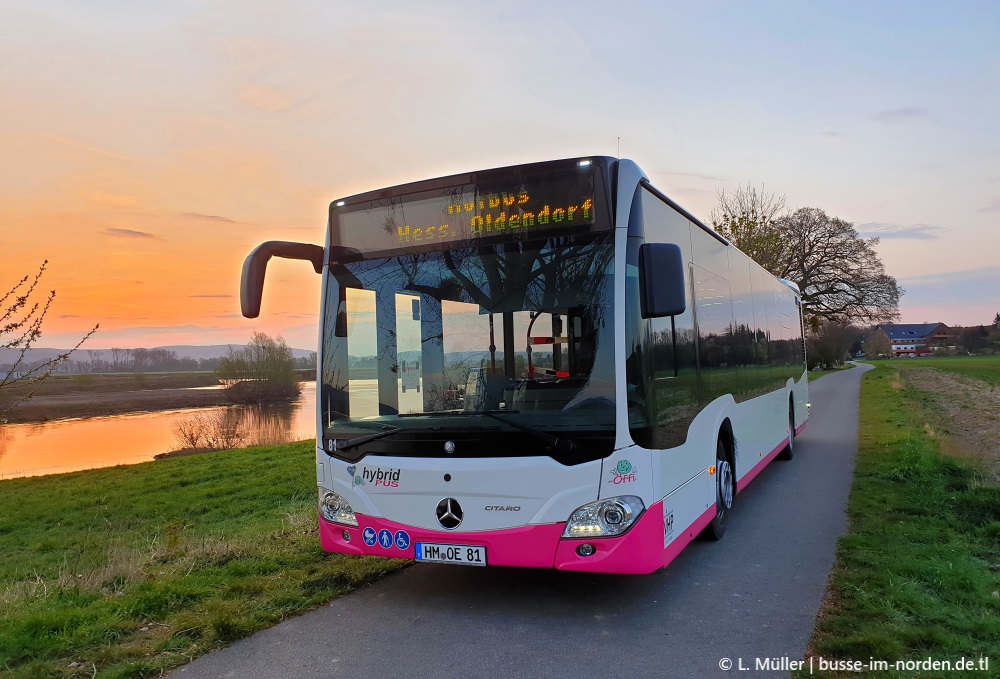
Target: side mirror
x=252, y=280
x=662, y=284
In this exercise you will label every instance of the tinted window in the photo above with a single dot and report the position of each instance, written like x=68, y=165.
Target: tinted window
x=661, y=367
x=744, y=353
x=714, y=316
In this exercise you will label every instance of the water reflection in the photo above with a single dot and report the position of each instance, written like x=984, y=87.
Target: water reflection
x=235, y=427
x=86, y=443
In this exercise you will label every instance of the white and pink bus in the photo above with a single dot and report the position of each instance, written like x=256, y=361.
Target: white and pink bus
x=550, y=365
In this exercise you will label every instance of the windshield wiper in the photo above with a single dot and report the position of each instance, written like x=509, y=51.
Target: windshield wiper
x=458, y=413
x=357, y=441
x=563, y=445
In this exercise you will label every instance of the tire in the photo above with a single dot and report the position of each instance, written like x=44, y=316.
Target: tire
x=788, y=452
x=725, y=491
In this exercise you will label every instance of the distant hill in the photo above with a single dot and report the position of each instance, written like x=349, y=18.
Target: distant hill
x=217, y=350
x=182, y=350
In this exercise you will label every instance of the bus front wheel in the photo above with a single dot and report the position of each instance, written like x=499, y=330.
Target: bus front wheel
x=725, y=490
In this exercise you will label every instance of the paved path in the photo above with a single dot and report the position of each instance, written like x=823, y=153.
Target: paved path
x=754, y=594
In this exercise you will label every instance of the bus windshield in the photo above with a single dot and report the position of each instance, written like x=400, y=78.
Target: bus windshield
x=477, y=350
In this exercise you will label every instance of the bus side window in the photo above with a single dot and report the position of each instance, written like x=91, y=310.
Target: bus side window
x=662, y=373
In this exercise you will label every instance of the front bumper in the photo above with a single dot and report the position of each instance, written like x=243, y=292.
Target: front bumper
x=640, y=550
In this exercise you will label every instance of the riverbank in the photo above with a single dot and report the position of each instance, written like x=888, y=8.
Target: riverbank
x=130, y=571
x=63, y=397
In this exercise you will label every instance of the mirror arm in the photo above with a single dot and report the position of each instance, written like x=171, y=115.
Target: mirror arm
x=252, y=280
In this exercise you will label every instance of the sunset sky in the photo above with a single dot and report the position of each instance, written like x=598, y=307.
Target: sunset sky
x=148, y=147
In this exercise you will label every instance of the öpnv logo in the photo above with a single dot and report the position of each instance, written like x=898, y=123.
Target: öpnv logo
x=623, y=472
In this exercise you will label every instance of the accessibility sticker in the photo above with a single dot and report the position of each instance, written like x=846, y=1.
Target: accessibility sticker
x=385, y=538
x=402, y=539
x=369, y=536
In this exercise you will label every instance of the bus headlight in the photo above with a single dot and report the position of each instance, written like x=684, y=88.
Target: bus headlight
x=604, y=518
x=336, y=509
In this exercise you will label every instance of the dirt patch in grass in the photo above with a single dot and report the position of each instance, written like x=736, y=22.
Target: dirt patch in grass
x=967, y=411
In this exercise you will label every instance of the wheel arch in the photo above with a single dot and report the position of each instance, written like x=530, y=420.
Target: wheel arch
x=728, y=439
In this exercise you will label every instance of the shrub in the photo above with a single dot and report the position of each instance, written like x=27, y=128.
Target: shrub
x=261, y=372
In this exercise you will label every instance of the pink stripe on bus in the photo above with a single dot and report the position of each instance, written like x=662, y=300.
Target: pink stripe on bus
x=750, y=475
x=639, y=551
x=528, y=546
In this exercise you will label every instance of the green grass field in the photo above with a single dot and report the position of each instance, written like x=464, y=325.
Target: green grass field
x=134, y=570
x=985, y=368
x=913, y=575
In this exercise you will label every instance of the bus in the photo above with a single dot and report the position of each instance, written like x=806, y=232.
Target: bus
x=550, y=365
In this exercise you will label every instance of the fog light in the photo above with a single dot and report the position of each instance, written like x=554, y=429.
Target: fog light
x=347, y=536
x=585, y=550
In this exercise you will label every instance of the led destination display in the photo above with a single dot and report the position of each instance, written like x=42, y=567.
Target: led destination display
x=512, y=210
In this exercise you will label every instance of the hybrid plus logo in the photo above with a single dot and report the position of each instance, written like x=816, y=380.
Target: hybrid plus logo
x=387, y=478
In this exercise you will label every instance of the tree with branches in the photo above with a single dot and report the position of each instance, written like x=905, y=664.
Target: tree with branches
x=261, y=372
x=21, y=317
x=746, y=217
x=841, y=276
x=877, y=345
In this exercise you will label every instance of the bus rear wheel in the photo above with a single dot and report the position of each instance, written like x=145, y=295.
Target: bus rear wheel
x=725, y=491
x=789, y=451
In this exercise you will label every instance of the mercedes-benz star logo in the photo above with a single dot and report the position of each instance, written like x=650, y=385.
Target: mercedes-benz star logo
x=449, y=513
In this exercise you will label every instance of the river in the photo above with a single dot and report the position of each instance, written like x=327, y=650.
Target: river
x=61, y=446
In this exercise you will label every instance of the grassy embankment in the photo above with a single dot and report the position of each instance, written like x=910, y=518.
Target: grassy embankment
x=133, y=570
x=916, y=574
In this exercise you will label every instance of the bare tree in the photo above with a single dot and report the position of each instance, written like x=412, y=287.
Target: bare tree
x=21, y=318
x=746, y=217
x=840, y=274
x=260, y=372
x=831, y=343
x=877, y=345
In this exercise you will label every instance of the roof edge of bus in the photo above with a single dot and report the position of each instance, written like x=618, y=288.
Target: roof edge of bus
x=677, y=206
x=447, y=180
x=792, y=284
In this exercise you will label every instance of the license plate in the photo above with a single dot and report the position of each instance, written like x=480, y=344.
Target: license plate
x=465, y=555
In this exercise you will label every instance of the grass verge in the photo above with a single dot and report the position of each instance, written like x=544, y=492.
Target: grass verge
x=913, y=576
x=985, y=368
x=816, y=374
x=131, y=571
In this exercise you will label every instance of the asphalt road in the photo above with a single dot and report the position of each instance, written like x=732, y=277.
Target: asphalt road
x=753, y=595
